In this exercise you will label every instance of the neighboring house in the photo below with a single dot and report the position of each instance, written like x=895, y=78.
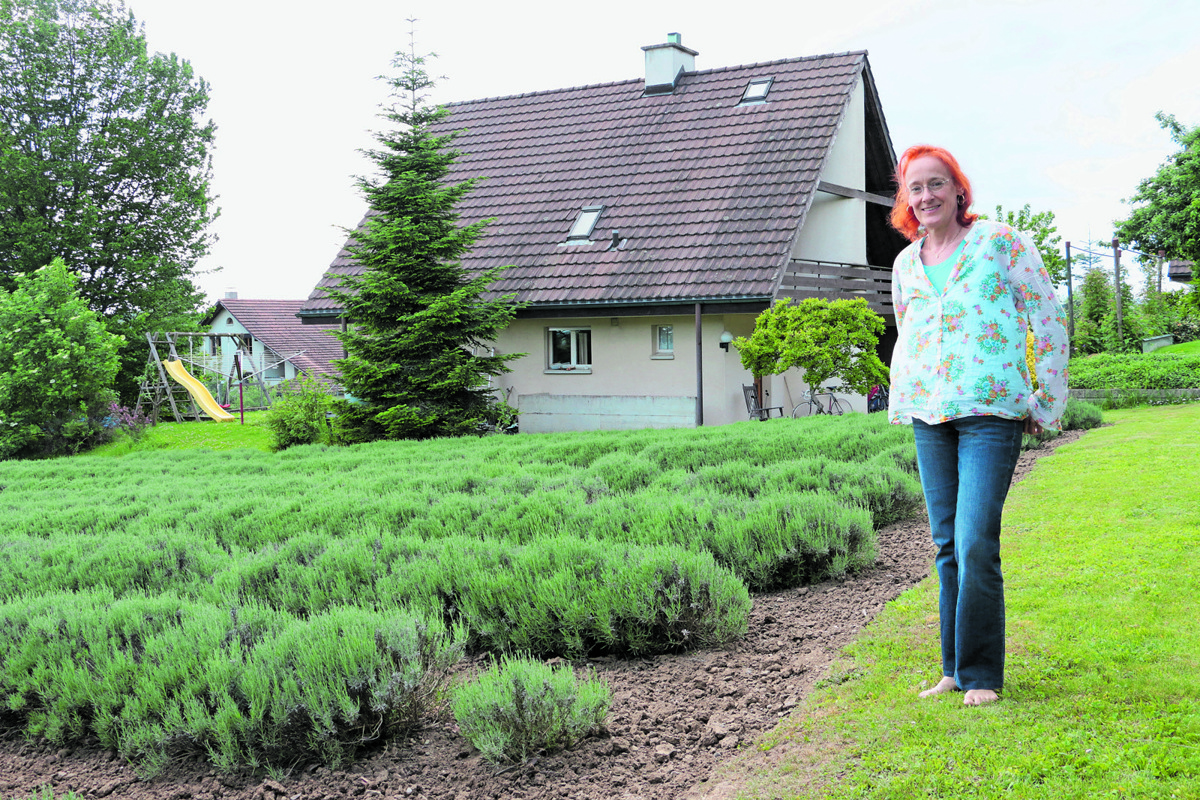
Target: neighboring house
x=275, y=344
x=1179, y=271
x=650, y=221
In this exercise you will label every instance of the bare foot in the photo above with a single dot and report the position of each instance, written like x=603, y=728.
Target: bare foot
x=977, y=697
x=946, y=684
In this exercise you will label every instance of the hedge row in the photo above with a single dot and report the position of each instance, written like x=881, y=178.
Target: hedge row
x=1135, y=371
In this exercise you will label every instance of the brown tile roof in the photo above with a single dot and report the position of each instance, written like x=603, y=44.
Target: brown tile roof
x=707, y=194
x=275, y=324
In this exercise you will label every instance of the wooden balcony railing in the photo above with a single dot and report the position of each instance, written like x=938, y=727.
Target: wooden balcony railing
x=834, y=280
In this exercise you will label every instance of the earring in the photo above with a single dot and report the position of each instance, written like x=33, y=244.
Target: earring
x=962, y=199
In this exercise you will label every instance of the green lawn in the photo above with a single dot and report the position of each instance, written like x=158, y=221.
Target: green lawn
x=207, y=434
x=1102, y=697
x=1183, y=349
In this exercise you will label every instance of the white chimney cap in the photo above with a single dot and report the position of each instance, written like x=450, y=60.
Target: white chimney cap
x=666, y=62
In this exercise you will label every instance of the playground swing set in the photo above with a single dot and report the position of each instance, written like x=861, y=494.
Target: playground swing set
x=168, y=380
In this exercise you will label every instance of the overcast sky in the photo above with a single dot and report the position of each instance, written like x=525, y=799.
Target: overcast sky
x=1046, y=102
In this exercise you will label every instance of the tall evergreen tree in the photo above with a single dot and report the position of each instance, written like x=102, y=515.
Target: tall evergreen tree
x=1093, y=302
x=419, y=330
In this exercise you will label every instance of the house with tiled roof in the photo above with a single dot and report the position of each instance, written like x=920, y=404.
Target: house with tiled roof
x=276, y=345
x=1180, y=271
x=646, y=223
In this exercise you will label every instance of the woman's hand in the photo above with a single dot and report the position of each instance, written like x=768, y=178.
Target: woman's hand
x=1032, y=427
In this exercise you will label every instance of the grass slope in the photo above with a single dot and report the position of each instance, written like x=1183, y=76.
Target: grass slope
x=1183, y=348
x=1102, y=570
x=207, y=435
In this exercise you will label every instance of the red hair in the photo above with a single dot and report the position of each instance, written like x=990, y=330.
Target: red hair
x=902, y=217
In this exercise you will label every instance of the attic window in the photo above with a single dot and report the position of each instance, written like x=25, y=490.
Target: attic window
x=581, y=231
x=756, y=91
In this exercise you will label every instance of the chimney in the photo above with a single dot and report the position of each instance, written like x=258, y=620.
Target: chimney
x=230, y=294
x=665, y=63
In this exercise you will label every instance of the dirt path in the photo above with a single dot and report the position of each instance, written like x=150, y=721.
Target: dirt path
x=674, y=718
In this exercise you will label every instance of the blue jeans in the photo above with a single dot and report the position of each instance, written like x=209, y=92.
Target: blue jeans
x=966, y=467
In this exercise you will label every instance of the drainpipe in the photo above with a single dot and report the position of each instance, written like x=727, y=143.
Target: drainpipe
x=699, y=373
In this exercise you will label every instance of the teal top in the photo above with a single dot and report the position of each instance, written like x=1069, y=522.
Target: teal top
x=939, y=273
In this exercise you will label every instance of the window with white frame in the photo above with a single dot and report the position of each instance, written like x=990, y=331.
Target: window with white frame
x=570, y=349
x=664, y=341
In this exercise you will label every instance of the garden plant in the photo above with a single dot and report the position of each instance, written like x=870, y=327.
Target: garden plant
x=197, y=600
x=521, y=707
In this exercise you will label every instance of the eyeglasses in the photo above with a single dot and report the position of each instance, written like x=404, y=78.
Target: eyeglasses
x=935, y=185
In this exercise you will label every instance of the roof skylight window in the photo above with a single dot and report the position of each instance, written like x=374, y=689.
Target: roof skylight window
x=756, y=91
x=581, y=231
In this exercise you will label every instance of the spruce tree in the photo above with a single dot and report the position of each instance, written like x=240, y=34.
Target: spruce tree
x=419, y=329
x=1094, y=299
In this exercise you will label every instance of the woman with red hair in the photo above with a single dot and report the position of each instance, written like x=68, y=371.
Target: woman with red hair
x=966, y=292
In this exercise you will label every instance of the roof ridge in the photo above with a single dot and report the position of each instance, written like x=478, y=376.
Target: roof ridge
x=257, y=300
x=582, y=87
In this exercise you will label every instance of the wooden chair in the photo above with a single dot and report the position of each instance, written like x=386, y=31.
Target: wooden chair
x=752, y=407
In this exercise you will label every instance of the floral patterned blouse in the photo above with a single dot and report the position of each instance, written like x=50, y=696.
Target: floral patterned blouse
x=961, y=351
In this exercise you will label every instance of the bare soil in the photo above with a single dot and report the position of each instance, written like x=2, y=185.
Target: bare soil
x=673, y=719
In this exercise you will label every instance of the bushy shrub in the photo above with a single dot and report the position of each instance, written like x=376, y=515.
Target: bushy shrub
x=1185, y=329
x=57, y=367
x=1081, y=415
x=299, y=416
x=563, y=595
x=521, y=707
x=242, y=684
x=127, y=421
x=1078, y=415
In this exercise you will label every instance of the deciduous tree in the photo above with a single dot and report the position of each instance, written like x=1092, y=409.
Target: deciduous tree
x=1166, y=215
x=105, y=161
x=1042, y=230
x=418, y=344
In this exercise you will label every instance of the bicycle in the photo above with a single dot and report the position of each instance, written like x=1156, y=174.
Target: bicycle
x=812, y=405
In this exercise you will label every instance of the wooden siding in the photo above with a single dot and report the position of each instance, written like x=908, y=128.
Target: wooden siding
x=830, y=280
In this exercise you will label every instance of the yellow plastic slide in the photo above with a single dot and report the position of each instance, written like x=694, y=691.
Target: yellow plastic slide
x=197, y=391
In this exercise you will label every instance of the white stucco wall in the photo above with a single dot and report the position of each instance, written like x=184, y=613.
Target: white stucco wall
x=628, y=386
x=834, y=230
x=836, y=227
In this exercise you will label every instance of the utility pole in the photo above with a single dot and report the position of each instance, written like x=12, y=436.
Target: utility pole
x=1117, y=271
x=1070, y=297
